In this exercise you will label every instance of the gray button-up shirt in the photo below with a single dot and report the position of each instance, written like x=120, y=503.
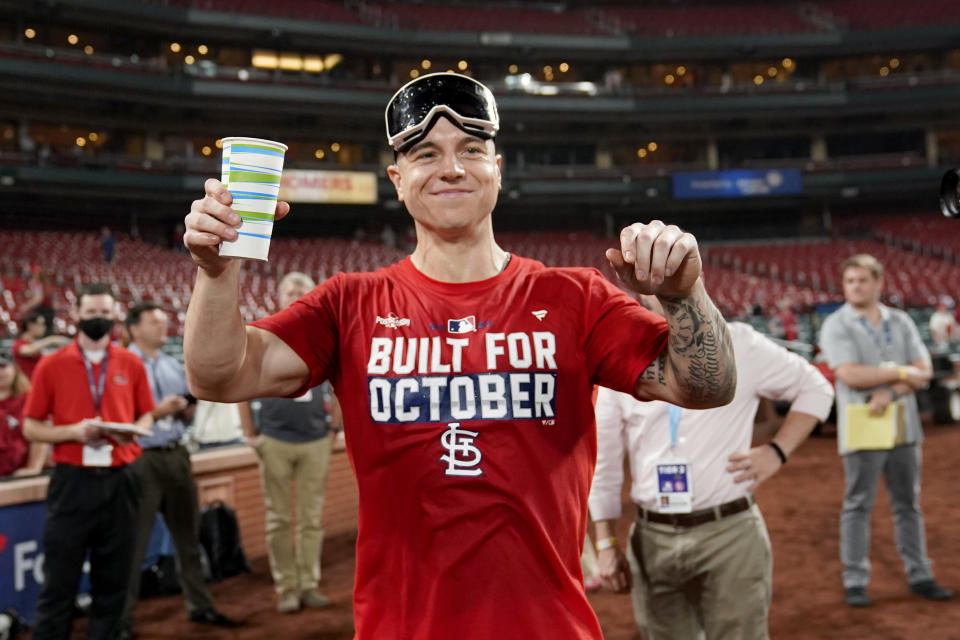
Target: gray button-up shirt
x=848, y=337
x=166, y=378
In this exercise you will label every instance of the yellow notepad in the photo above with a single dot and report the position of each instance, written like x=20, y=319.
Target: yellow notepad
x=866, y=431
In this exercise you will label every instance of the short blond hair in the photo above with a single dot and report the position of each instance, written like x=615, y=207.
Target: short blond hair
x=864, y=261
x=297, y=277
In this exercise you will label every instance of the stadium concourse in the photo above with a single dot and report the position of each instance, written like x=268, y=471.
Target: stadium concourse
x=801, y=505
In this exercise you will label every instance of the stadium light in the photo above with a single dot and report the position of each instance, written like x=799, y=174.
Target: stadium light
x=203, y=49
x=564, y=67
x=263, y=59
x=319, y=154
x=462, y=65
x=73, y=39
x=175, y=47
x=81, y=142
x=425, y=64
x=93, y=136
x=669, y=79
x=335, y=147
x=513, y=69
x=894, y=63
x=30, y=33
x=787, y=63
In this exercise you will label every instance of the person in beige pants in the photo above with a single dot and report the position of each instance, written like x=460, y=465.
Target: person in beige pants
x=291, y=439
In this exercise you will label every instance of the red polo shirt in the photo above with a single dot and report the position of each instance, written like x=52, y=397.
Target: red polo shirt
x=61, y=392
x=26, y=364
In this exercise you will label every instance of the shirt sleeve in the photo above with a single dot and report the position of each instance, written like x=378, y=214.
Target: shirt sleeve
x=142, y=394
x=623, y=338
x=309, y=326
x=838, y=347
x=605, y=492
x=916, y=350
x=39, y=404
x=784, y=375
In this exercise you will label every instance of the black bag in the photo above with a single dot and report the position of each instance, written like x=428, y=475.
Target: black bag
x=160, y=578
x=220, y=538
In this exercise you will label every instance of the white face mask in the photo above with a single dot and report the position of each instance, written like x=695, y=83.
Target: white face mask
x=95, y=356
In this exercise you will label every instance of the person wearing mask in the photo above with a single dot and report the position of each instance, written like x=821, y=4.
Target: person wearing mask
x=93, y=499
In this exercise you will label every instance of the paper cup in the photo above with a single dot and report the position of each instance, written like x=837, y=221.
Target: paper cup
x=251, y=170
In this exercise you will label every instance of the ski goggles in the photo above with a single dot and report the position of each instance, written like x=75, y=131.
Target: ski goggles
x=413, y=109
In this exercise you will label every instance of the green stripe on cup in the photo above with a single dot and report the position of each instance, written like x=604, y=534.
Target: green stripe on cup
x=247, y=145
x=250, y=176
x=254, y=215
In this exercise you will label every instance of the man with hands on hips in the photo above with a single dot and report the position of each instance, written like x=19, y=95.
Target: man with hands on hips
x=465, y=377
x=699, y=556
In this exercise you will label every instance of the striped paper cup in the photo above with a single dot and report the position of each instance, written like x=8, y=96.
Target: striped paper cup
x=251, y=171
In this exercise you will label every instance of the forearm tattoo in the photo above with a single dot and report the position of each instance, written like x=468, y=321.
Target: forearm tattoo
x=699, y=351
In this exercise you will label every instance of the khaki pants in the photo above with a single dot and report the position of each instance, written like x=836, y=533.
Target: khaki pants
x=710, y=581
x=295, y=567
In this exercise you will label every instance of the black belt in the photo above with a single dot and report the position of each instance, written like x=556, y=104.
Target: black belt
x=170, y=446
x=700, y=516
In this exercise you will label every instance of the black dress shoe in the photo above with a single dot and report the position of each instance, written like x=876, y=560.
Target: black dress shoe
x=930, y=590
x=212, y=616
x=857, y=597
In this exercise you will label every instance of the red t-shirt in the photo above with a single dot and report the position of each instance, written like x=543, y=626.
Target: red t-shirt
x=472, y=435
x=26, y=364
x=61, y=391
x=13, y=446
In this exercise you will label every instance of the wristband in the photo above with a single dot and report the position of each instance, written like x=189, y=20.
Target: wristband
x=779, y=452
x=903, y=372
x=606, y=543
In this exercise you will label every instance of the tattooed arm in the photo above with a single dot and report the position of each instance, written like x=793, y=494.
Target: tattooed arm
x=696, y=369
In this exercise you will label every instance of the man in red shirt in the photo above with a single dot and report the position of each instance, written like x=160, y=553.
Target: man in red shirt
x=93, y=499
x=465, y=377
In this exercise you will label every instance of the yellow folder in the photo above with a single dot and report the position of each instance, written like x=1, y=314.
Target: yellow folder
x=866, y=431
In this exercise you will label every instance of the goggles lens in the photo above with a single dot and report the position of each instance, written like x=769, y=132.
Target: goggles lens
x=416, y=105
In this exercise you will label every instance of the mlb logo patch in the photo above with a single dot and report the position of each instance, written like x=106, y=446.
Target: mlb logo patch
x=463, y=325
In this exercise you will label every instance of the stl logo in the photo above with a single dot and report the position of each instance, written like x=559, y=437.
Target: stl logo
x=393, y=322
x=462, y=457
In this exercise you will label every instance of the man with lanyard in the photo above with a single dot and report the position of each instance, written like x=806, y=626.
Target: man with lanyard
x=465, y=378
x=699, y=555
x=166, y=472
x=879, y=359
x=93, y=499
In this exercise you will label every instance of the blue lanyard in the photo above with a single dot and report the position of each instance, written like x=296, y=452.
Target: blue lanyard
x=96, y=391
x=674, y=412
x=887, y=333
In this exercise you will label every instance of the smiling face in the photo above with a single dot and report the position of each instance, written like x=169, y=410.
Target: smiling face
x=449, y=181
